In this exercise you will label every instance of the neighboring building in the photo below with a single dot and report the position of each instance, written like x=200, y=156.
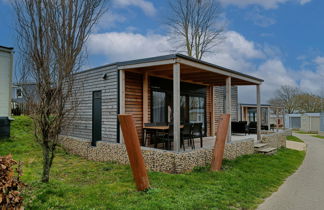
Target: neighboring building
x=277, y=119
x=6, y=68
x=24, y=95
x=166, y=89
x=293, y=121
x=310, y=122
x=321, y=131
x=248, y=113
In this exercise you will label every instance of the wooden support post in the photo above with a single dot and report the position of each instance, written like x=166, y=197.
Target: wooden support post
x=213, y=130
x=145, y=98
x=258, y=96
x=176, y=107
x=133, y=148
x=219, y=146
x=228, y=105
x=121, y=99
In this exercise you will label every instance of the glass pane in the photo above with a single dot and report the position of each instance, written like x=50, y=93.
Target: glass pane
x=264, y=116
x=197, y=110
x=159, y=99
x=182, y=109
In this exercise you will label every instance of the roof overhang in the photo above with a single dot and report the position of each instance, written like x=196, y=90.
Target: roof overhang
x=192, y=70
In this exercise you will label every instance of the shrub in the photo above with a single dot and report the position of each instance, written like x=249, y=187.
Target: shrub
x=10, y=185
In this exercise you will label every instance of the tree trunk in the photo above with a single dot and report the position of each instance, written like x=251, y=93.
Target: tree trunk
x=48, y=156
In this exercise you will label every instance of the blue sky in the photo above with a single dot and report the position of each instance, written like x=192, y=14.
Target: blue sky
x=280, y=41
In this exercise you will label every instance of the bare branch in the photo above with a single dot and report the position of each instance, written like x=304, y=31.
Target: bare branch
x=193, y=26
x=51, y=37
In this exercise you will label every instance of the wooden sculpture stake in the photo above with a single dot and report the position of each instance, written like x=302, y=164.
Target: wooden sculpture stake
x=133, y=148
x=221, y=136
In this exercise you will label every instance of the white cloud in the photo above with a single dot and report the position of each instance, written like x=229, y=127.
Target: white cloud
x=312, y=80
x=256, y=17
x=146, y=6
x=109, y=20
x=267, y=4
x=125, y=46
x=235, y=52
x=304, y=1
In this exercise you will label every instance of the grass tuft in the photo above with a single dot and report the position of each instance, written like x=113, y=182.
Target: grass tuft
x=294, y=138
x=77, y=183
x=319, y=136
x=306, y=132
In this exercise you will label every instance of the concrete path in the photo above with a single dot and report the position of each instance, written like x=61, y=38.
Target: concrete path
x=305, y=188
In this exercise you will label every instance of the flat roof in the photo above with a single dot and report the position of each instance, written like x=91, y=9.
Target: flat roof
x=122, y=64
x=6, y=49
x=177, y=55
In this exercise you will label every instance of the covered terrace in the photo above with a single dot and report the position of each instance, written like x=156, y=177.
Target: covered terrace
x=180, y=80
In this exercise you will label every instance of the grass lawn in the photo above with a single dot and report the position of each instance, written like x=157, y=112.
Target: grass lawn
x=294, y=138
x=305, y=132
x=318, y=136
x=77, y=183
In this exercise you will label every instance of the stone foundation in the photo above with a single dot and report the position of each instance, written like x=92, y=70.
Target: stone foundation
x=155, y=159
x=276, y=140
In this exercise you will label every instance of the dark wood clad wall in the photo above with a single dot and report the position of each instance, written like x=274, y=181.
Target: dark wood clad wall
x=134, y=99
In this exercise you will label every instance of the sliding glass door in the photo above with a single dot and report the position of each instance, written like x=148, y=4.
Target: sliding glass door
x=192, y=102
x=197, y=110
x=159, y=110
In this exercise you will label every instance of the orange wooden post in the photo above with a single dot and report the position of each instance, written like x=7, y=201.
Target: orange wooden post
x=219, y=146
x=133, y=148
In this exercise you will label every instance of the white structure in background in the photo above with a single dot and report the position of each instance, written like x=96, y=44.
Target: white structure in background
x=6, y=67
x=321, y=131
x=293, y=121
x=308, y=122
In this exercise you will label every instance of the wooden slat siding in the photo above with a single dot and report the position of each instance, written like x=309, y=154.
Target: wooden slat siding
x=85, y=83
x=219, y=95
x=134, y=99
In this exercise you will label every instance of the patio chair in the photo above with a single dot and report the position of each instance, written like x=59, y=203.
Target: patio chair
x=153, y=134
x=197, y=133
x=168, y=138
x=239, y=127
x=186, y=134
x=252, y=127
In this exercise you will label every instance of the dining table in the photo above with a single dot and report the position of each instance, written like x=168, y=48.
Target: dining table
x=154, y=129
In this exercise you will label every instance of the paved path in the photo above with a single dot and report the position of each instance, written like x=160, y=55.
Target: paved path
x=305, y=188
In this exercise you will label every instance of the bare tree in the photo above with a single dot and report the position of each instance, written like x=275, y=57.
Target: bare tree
x=309, y=103
x=194, y=26
x=51, y=36
x=286, y=97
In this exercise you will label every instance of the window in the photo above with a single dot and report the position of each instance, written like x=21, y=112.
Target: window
x=197, y=110
x=252, y=114
x=159, y=106
x=19, y=93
